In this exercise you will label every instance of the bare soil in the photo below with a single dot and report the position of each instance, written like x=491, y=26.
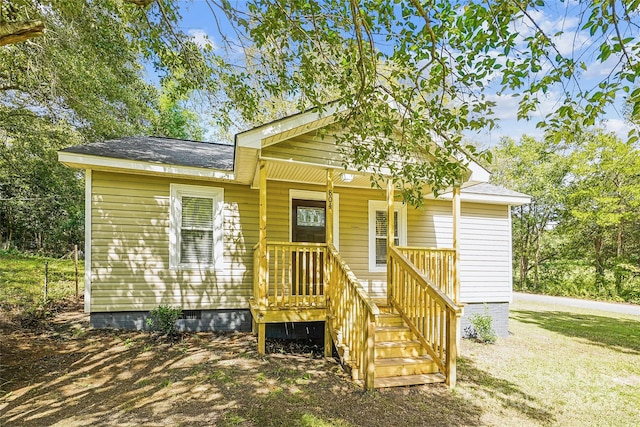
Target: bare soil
x=63, y=373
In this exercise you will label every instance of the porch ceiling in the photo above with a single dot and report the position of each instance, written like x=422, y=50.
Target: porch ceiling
x=290, y=171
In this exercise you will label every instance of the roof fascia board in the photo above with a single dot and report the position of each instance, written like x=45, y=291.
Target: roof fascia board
x=253, y=138
x=493, y=199
x=86, y=161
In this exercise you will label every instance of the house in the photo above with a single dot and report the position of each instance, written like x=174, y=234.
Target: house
x=273, y=229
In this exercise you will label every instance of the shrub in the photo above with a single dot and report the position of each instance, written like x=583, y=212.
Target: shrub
x=482, y=328
x=163, y=320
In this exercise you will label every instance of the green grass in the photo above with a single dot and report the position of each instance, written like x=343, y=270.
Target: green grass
x=22, y=279
x=560, y=366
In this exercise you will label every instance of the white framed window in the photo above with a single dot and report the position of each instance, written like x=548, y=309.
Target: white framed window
x=196, y=228
x=378, y=232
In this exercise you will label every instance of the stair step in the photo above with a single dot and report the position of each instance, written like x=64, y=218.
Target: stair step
x=407, y=380
x=402, y=366
x=390, y=319
x=407, y=348
x=393, y=333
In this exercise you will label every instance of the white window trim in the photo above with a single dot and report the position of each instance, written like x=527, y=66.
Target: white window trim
x=401, y=211
x=322, y=196
x=217, y=194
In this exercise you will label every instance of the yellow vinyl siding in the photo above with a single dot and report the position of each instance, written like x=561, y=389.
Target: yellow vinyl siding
x=354, y=227
x=308, y=148
x=130, y=242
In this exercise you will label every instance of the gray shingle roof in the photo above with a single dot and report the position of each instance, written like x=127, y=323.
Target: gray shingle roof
x=162, y=150
x=494, y=190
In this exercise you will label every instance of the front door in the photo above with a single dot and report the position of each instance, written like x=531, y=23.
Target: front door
x=308, y=226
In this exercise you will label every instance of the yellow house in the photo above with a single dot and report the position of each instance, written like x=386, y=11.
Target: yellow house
x=273, y=229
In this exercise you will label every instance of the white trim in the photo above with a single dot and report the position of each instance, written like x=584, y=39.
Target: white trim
x=477, y=172
x=491, y=199
x=97, y=162
x=177, y=191
x=253, y=138
x=87, y=240
x=322, y=196
x=510, y=255
x=381, y=205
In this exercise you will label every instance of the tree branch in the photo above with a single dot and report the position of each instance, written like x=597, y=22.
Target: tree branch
x=18, y=32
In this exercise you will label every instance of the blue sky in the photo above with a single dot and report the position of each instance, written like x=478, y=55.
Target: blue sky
x=198, y=21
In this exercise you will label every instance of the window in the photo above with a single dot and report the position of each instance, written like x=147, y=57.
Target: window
x=378, y=232
x=196, y=227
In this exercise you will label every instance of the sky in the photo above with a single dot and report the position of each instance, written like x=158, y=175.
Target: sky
x=198, y=22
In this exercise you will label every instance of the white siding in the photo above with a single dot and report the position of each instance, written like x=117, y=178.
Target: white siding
x=485, y=253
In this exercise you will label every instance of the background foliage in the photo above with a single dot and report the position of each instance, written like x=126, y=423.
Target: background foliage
x=580, y=235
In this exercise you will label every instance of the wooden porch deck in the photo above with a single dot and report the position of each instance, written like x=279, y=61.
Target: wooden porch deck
x=411, y=340
x=408, y=338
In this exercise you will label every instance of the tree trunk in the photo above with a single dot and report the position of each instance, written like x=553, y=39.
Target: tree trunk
x=524, y=269
x=618, y=274
x=619, y=247
x=537, y=259
x=598, y=260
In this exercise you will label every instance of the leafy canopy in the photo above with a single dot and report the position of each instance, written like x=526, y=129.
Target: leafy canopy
x=443, y=66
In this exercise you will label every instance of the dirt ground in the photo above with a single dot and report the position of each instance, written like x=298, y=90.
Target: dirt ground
x=67, y=374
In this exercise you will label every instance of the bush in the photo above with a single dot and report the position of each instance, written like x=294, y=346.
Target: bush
x=482, y=328
x=163, y=320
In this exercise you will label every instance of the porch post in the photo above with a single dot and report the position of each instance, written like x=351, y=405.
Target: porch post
x=455, y=214
x=390, y=235
x=390, y=214
x=328, y=340
x=329, y=208
x=262, y=248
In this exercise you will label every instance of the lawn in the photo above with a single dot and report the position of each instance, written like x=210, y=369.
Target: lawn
x=560, y=366
x=22, y=279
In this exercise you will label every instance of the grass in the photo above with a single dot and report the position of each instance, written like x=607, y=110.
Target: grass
x=560, y=366
x=564, y=366
x=22, y=279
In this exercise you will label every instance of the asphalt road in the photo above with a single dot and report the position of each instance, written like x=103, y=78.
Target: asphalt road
x=582, y=303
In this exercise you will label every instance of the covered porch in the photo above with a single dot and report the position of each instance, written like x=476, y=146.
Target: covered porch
x=378, y=339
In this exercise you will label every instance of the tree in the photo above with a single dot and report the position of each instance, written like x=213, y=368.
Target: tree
x=78, y=83
x=540, y=169
x=441, y=63
x=443, y=66
x=604, y=200
x=41, y=201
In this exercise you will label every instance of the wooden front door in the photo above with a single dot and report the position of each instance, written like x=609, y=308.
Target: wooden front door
x=308, y=225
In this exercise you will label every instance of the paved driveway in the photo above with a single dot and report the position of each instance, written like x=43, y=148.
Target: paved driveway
x=582, y=303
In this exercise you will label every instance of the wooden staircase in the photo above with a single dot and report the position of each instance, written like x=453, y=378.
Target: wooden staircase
x=400, y=359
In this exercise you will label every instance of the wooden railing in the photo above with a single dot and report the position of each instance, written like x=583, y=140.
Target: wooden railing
x=437, y=265
x=295, y=275
x=353, y=316
x=427, y=310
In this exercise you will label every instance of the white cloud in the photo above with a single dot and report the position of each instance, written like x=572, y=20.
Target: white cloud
x=599, y=70
x=201, y=38
x=620, y=127
x=507, y=106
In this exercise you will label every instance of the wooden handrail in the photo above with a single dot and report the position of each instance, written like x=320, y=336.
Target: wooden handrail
x=352, y=320
x=438, y=265
x=427, y=310
x=371, y=305
x=420, y=248
x=294, y=276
